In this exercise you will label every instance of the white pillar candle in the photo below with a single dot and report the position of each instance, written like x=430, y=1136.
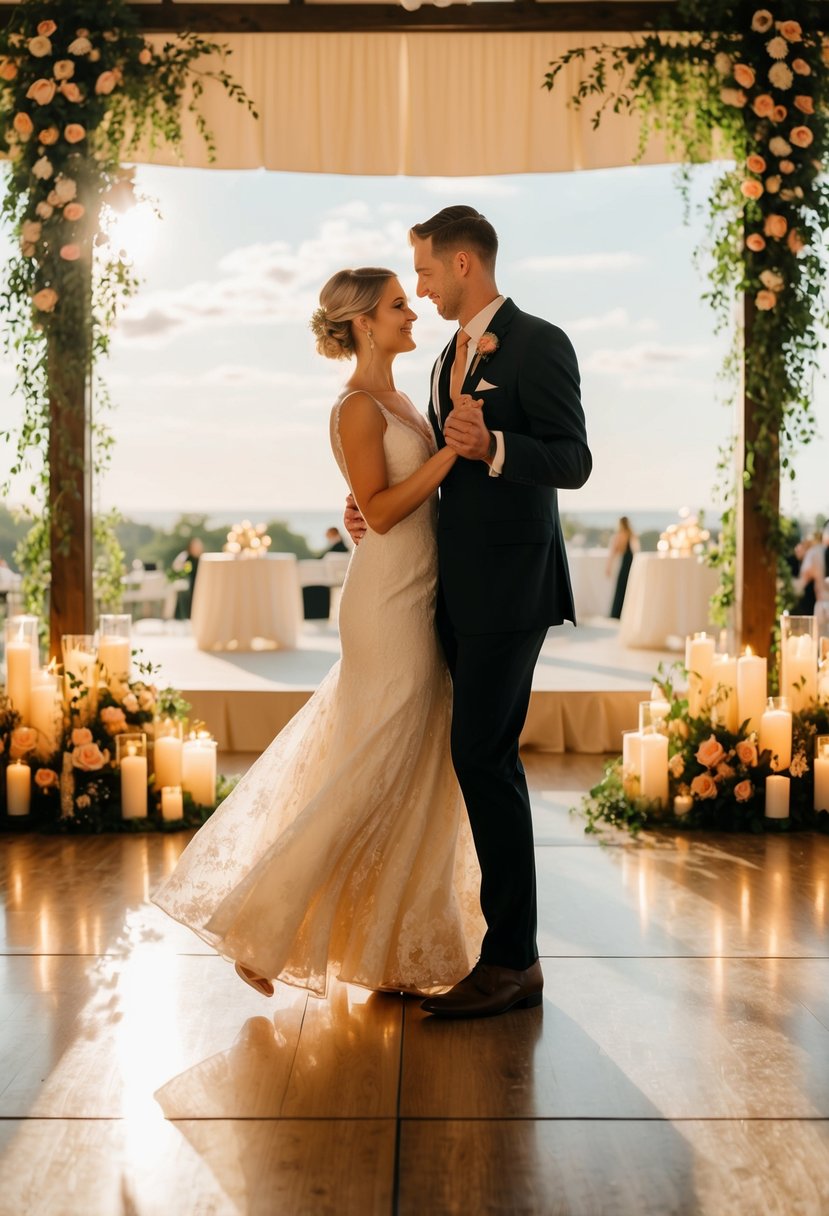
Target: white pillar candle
x=167, y=761
x=777, y=797
x=724, y=685
x=776, y=736
x=18, y=788
x=133, y=786
x=699, y=660
x=798, y=670
x=198, y=776
x=81, y=665
x=822, y=773
x=45, y=713
x=631, y=762
x=683, y=803
x=172, y=802
x=752, y=689
x=19, y=676
x=823, y=683
x=114, y=656
x=654, y=780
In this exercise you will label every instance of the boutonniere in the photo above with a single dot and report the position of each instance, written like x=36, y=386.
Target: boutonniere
x=485, y=348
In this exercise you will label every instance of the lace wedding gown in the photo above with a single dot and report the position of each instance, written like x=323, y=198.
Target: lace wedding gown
x=346, y=849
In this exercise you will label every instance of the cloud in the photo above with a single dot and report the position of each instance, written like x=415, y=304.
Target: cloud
x=491, y=187
x=649, y=365
x=616, y=318
x=583, y=263
x=235, y=376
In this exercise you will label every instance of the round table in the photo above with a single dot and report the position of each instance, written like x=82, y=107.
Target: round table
x=592, y=586
x=667, y=598
x=246, y=603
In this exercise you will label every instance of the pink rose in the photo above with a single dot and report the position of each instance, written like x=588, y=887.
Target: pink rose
x=113, y=719
x=49, y=136
x=763, y=105
x=801, y=67
x=775, y=226
x=765, y=300
x=704, y=786
x=744, y=75
x=45, y=299
x=487, y=345
x=42, y=91
x=70, y=253
x=46, y=28
x=80, y=736
x=74, y=133
x=46, y=778
x=71, y=91
x=791, y=31
x=64, y=69
x=744, y=791
x=786, y=166
x=73, y=212
x=23, y=740
x=710, y=753
x=747, y=752
x=762, y=21
x=751, y=188
x=755, y=242
x=755, y=163
x=22, y=124
x=801, y=137
x=804, y=104
x=89, y=758
x=8, y=69
x=105, y=83
x=795, y=241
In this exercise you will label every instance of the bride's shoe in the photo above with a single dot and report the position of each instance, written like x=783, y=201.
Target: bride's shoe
x=259, y=983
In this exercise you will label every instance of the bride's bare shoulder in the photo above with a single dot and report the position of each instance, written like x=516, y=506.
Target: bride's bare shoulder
x=358, y=410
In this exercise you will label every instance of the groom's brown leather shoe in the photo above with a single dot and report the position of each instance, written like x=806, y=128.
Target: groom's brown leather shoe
x=487, y=991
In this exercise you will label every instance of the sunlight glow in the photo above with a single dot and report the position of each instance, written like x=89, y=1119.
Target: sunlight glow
x=132, y=233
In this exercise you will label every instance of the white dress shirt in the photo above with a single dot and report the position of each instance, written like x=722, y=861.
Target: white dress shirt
x=476, y=328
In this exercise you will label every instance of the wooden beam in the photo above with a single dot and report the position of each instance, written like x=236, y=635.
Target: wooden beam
x=501, y=16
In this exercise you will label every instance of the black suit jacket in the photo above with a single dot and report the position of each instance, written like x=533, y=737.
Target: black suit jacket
x=501, y=555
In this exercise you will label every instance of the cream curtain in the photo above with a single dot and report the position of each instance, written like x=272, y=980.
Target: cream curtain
x=424, y=105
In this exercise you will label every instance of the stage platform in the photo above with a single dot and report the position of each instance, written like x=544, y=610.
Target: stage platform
x=586, y=689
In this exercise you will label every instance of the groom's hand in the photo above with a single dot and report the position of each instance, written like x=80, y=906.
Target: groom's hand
x=354, y=523
x=465, y=431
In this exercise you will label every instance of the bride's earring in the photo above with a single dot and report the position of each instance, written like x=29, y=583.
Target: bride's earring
x=370, y=339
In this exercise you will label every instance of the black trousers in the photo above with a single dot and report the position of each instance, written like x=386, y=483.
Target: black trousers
x=492, y=679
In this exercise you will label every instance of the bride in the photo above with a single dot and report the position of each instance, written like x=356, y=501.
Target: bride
x=345, y=850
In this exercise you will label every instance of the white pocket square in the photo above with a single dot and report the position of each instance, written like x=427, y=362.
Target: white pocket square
x=483, y=385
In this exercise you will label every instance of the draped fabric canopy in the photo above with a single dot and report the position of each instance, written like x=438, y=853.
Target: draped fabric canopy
x=428, y=104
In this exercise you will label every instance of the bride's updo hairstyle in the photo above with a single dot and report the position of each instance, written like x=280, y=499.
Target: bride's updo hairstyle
x=346, y=295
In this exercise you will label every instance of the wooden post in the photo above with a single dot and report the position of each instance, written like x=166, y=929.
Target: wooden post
x=70, y=461
x=756, y=571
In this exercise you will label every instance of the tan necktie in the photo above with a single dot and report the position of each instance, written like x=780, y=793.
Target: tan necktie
x=458, y=375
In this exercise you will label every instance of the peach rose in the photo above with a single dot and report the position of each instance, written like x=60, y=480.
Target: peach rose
x=762, y=21
x=74, y=133
x=30, y=231
x=780, y=75
x=105, y=83
x=42, y=91
x=791, y=31
x=777, y=48
x=676, y=765
x=724, y=771
x=722, y=63
x=744, y=75
x=786, y=166
x=89, y=758
x=146, y=699
x=49, y=136
x=795, y=241
x=765, y=300
x=70, y=253
x=8, y=69
x=801, y=137
x=755, y=242
x=773, y=184
x=22, y=741
x=775, y=227
x=22, y=124
x=743, y=791
x=46, y=28
x=40, y=46
x=747, y=752
x=80, y=46
x=74, y=212
x=678, y=728
x=46, y=778
x=45, y=299
x=145, y=56
x=704, y=786
x=733, y=97
x=755, y=163
x=80, y=736
x=801, y=67
x=804, y=104
x=64, y=69
x=94, y=56
x=778, y=146
x=66, y=189
x=45, y=210
x=113, y=719
x=772, y=280
x=130, y=703
x=763, y=105
x=751, y=188
x=42, y=168
x=779, y=113
x=710, y=753
x=71, y=91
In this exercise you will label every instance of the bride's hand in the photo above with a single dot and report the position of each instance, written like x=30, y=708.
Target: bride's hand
x=465, y=431
x=353, y=521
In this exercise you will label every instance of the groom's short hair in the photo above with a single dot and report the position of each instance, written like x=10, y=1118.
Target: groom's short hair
x=456, y=228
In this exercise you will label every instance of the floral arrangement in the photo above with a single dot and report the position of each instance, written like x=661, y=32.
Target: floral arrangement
x=752, y=84
x=80, y=88
x=722, y=772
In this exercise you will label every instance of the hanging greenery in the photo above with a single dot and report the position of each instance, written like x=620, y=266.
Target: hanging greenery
x=750, y=86
x=80, y=89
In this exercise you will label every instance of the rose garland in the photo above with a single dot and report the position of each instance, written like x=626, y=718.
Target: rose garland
x=80, y=88
x=758, y=80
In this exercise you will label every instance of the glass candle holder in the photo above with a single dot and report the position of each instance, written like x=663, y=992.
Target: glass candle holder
x=80, y=674
x=22, y=660
x=822, y=773
x=631, y=762
x=798, y=660
x=131, y=759
x=24, y=627
x=46, y=714
x=172, y=803
x=776, y=732
x=653, y=717
x=167, y=751
x=114, y=649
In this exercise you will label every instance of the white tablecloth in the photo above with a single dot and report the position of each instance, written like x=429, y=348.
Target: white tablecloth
x=592, y=588
x=246, y=603
x=667, y=598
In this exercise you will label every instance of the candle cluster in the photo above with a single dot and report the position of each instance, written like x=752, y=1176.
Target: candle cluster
x=684, y=539
x=248, y=540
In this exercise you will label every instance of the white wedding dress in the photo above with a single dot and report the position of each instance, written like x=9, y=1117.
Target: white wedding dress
x=346, y=848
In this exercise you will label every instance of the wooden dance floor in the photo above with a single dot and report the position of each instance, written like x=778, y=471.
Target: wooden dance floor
x=679, y=1063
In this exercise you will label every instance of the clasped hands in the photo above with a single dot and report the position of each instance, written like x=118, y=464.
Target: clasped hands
x=465, y=431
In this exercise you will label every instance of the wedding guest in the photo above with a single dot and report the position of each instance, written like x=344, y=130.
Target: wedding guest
x=812, y=575
x=623, y=544
x=335, y=542
x=187, y=564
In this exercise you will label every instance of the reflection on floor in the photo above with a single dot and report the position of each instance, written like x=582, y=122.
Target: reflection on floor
x=678, y=1065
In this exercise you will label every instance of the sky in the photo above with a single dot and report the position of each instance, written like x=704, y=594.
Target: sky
x=222, y=403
